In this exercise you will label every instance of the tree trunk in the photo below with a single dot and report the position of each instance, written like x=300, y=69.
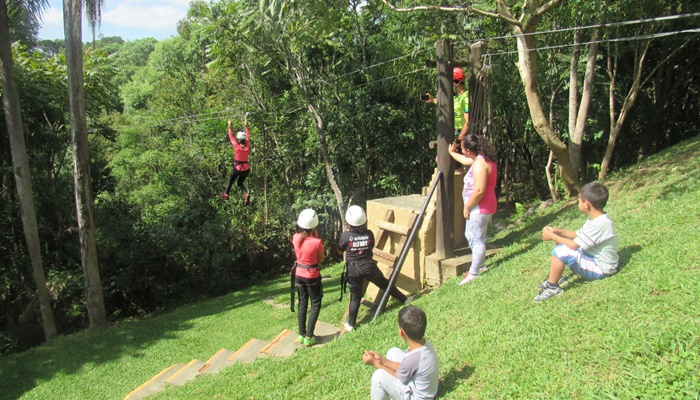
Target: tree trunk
x=325, y=154
x=23, y=180
x=301, y=77
x=617, y=122
x=94, y=301
x=579, y=115
x=527, y=65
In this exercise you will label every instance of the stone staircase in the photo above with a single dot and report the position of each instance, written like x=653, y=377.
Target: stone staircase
x=283, y=345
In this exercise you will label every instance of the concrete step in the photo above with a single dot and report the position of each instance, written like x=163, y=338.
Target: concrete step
x=155, y=384
x=283, y=345
x=248, y=352
x=458, y=266
x=325, y=333
x=186, y=373
x=438, y=271
x=217, y=362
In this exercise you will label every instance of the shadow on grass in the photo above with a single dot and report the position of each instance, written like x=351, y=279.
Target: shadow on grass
x=532, y=228
x=452, y=378
x=68, y=355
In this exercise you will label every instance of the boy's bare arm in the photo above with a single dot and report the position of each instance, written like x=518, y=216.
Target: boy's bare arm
x=560, y=236
x=562, y=232
x=379, y=362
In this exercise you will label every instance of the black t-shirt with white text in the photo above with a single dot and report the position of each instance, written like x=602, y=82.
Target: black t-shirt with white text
x=357, y=246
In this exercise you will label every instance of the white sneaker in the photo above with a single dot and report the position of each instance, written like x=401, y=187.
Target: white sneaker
x=347, y=327
x=408, y=301
x=468, y=279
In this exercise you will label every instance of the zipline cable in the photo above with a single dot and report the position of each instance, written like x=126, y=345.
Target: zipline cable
x=603, y=25
x=612, y=40
x=390, y=77
x=386, y=62
x=172, y=121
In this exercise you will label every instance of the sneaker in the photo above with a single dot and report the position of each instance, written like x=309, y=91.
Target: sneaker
x=468, y=279
x=547, y=293
x=408, y=301
x=563, y=282
x=224, y=196
x=483, y=269
x=308, y=342
x=246, y=199
x=347, y=326
x=300, y=339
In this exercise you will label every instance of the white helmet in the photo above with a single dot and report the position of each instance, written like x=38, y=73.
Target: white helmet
x=308, y=219
x=240, y=136
x=355, y=216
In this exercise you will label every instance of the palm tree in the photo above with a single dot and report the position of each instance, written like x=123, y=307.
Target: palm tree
x=20, y=161
x=72, y=25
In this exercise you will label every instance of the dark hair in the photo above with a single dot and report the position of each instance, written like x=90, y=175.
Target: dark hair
x=358, y=229
x=596, y=193
x=412, y=321
x=304, y=234
x=480, y=145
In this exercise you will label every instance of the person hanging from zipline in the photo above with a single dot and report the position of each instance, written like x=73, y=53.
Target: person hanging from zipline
x=241, y=167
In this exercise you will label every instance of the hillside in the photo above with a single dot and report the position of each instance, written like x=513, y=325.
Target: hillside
x=636, y=334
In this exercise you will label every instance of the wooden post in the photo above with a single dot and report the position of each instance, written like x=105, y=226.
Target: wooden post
x=476, y=53
x=444, y=233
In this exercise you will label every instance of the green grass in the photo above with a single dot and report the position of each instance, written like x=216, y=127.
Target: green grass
x=633, y=335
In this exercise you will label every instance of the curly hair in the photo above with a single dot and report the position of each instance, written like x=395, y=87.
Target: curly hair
x=480, y=145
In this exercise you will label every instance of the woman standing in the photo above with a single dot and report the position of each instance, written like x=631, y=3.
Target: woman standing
x=309, y=252
x=358, y=241
x=479, y=196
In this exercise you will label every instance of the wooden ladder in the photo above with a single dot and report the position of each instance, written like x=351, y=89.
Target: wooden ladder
x=386, y=228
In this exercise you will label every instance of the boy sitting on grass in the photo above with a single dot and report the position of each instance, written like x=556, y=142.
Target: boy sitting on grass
x=590, y=252
x=410, y=374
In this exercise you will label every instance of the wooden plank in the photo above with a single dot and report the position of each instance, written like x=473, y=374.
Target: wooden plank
x=388, y=226
x=390, y=258
x=404, y=238
x=381, y=233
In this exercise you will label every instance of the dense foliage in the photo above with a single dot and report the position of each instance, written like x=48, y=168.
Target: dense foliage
x=331, y=89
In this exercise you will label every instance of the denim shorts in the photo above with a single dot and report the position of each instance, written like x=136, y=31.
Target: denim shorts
x=578, y=262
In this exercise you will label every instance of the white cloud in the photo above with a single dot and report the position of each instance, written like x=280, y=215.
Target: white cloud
x=52, y=18
x=130, y=19
x=152, y=17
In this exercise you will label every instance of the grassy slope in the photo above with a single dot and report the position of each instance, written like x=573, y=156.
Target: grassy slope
x=636, y=334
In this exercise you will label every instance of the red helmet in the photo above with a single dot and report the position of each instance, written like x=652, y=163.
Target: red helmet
x=458, y=74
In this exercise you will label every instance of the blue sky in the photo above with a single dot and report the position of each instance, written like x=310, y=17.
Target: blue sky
x=130, y=19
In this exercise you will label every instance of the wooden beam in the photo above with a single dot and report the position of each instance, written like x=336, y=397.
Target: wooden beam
x=384, y=256
x=444, y=235
x=388, y=226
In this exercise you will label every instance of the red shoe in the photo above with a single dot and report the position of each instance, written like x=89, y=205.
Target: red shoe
x=224, y=196
x=246, y=199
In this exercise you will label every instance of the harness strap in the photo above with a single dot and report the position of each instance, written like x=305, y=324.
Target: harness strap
x=292, y=275
x=343, y=281
x=302, y=266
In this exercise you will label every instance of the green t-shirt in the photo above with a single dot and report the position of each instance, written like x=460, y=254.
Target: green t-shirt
x=461, y=107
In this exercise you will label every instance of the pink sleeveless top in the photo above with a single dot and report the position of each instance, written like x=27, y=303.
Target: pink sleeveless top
x=488, y=204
